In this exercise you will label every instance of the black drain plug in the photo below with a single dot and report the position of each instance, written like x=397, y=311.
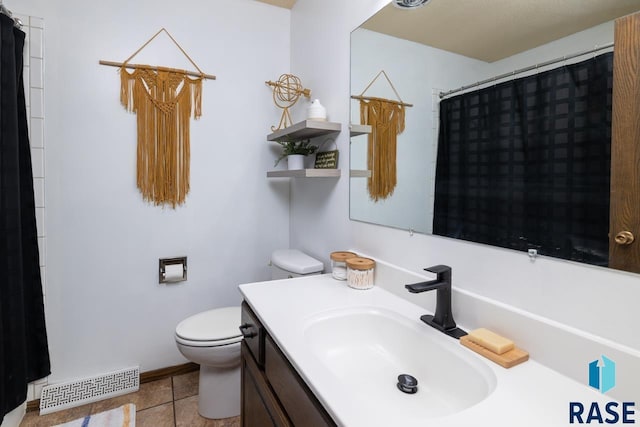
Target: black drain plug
x=407, y=383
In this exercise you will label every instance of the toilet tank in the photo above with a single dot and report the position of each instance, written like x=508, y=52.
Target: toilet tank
x=289, y=263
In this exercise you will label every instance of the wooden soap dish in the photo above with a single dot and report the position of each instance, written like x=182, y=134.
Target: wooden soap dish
x=506, y=360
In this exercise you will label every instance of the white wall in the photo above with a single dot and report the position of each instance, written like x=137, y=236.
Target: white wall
x=599, y=35
x=105, y=308
x=320, y=56
x=595, y=300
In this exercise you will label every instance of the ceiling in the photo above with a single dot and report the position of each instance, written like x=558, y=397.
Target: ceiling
x=490, y=30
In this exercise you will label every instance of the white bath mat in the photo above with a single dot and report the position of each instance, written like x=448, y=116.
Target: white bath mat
x=124, y=416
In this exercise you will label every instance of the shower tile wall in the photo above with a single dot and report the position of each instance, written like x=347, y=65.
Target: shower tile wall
x=34, y=94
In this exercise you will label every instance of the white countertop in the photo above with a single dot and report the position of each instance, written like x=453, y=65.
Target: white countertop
x=529, y=394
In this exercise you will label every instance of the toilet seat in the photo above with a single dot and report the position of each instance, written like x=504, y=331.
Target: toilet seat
x=214, y=343
x=212, y=328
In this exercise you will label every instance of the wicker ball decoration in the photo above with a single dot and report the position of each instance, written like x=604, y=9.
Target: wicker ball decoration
x=286, y=92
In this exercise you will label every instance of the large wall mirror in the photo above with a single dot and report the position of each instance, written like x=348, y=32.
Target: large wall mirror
x=426, y=80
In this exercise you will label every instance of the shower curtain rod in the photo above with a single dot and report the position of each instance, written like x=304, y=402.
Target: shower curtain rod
x=523, y=70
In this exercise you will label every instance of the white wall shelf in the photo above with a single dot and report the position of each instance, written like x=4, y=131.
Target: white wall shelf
x=304, y=173
x=355, y=130
x=304, y=130
x=358, y=173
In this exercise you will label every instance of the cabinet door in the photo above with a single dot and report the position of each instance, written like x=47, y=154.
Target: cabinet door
x=259, y=407
x=298, y=401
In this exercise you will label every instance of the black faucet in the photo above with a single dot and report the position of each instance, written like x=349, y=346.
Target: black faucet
x=443, y=319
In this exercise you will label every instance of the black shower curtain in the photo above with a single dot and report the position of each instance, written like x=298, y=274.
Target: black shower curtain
x=526, y=163
x=24, y=355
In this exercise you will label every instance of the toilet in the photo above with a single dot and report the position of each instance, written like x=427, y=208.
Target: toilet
x=212, y=339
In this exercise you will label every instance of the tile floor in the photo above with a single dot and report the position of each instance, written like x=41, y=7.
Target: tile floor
x=170, y=402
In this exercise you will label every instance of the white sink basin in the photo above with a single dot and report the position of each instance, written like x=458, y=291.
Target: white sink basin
x=367, y=348
x=349, y=346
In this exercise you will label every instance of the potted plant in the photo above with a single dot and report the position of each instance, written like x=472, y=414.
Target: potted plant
x=295, y=152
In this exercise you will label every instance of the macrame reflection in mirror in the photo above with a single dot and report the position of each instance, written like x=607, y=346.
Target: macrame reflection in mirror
x=386, y=118
x=387, y=122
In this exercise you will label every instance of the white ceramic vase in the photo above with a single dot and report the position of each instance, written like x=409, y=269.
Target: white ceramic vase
x=295, y=161
x=316, y=111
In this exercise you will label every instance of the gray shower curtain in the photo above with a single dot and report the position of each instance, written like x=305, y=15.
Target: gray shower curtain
x=24, y=355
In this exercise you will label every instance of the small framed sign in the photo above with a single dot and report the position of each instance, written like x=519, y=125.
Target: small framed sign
x=327, y=160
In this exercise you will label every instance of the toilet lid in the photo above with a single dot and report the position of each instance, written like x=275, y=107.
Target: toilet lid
x=212, y=325
x=294, y=261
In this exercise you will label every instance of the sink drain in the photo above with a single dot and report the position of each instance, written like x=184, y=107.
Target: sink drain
x=407, y=383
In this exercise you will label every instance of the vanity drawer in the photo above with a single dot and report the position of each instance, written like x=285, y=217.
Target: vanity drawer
x=253, y=333
x=297, y=400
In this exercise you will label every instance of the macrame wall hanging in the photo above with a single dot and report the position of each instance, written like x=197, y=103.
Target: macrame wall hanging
x=386, y=117
x=163, y=99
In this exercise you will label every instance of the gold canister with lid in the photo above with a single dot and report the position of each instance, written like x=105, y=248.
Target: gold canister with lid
x=339, y=264
x=360, y=272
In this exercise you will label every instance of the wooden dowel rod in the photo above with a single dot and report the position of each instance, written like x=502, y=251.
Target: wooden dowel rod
x=157, y=68
x=373, y=98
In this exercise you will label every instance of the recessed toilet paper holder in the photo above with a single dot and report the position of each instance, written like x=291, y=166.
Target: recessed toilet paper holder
x=172, y=270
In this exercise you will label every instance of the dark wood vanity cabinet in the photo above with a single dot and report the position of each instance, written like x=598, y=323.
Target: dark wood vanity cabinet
x=273, y=394
x=259, y=405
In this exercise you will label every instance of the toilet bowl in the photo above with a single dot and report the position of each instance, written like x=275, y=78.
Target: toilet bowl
x=212, y=339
